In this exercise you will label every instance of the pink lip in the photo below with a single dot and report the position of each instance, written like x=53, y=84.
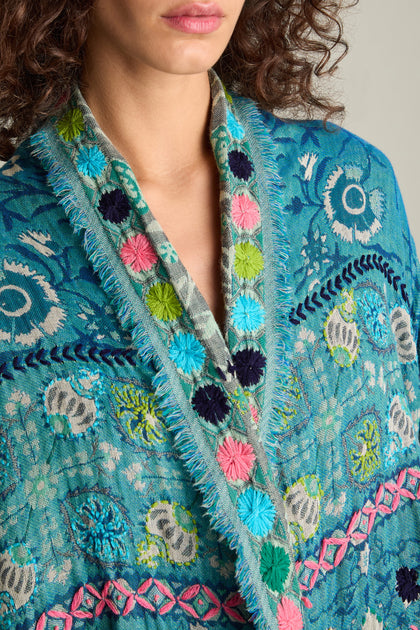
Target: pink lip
x=196, y=9
x=196, y=18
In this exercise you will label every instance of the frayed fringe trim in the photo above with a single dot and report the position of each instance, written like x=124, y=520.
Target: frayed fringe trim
x=253, y=122
x=257, y=602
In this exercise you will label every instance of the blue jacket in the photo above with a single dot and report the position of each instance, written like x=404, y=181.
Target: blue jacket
x=158, y=470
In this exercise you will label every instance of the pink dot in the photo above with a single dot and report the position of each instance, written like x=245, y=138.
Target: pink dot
x=200, y=602
x=119, y=597
x=56, y=628
x=138, y=253
x=413, y=482
x=156, y=597
x=89, y=602
x=364, y=522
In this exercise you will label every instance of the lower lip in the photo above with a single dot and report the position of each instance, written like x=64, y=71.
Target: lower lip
x=201, y=25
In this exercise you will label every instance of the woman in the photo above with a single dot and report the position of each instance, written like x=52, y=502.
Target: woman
x=209, y=384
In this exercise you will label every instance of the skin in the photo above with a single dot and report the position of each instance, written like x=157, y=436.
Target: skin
x=148, y=88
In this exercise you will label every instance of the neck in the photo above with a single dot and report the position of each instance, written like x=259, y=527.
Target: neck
x=157, y=121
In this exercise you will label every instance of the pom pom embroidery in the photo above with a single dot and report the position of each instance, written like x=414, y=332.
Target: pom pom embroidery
x=71, y=124
x=240, y=164
x=187, y=352
x=289, y=616
x=256, y=510
x=247, y=314
x=163, y=302
x=248, y=260
x=211, y=403
x=407, y=587
x=138, y=253
x=275, y=566
x=236, y=459
x=249, y=366
x=245, y=212
x=91, y=161
x=114, y=206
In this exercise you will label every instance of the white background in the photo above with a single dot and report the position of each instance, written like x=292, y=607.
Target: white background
x=379, y=83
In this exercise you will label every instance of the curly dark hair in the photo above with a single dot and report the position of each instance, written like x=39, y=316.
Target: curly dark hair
x=277, y=50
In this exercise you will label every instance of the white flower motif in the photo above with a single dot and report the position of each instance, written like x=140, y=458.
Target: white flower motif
x=133, y=474
x=306, y=337
x=17, y=399
x=112, y=455
x=308, y=162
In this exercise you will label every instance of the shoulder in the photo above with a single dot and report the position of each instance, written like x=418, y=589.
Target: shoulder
x=24, y=192
x=326, y=140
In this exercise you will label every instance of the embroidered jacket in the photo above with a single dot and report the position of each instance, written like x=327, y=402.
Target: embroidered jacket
x=157, y=471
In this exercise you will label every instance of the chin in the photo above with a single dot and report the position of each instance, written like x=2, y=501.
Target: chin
x=193, y=60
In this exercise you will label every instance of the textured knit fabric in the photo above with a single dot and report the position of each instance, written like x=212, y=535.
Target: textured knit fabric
x=156, y=470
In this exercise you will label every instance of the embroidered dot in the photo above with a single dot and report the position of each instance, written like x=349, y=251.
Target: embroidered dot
x=256, y=510
x=138, y=253
x=211, y=403
x=71, y=124
x=114, y=206
x=274, y=566
x=91, y=161
x=236, y=459
x=187, y=352
x=248, y=260
x=407, y=586
x=289, y=616
x=240, y=164
x=163, y=302
x=245, y=212
x=247, y=314
x=249, y=366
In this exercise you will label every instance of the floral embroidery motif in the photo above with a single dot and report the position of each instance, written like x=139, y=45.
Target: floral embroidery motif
x=97, y=526
x=187, y=353
x=240, y=164
x=373, y=310
x=341, y=332
x=91, y=161
x=163, y=302
x=71, y=125
x=407, y=584
x=249, y=366
x=247, y=314
x=114, y=206
x=256, y=510
x=171, y=535
x=249, y=261
x=236, y=459
x=289, y=616
x=211, y=403
x=138, y=253
x=366, y=456
x=29, y=305
x=400, y=421
x=245, y=212
x=275, y=566
x=70, y=404
x=17, y=579
x=354, y=213
x=303, y=505
x=138, y=412
x=401, y=327
x=40, y=486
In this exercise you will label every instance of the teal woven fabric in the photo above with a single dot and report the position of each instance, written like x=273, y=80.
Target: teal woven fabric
x=157, y=470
